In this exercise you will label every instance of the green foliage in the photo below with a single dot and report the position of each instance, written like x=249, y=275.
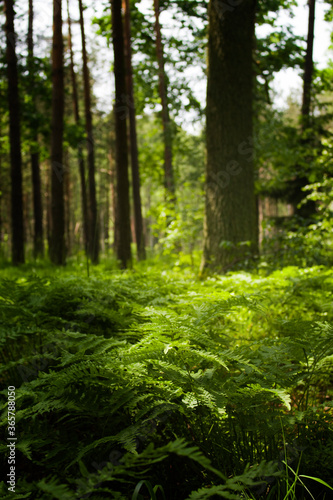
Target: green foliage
x=180, y=53
x=290, y=158
x=279, y=49
x=174, y=227
x=148, y=383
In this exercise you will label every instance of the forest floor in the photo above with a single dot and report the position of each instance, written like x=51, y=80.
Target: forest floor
x=152, y=383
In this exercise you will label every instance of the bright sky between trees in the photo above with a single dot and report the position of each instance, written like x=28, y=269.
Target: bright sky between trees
x=289, y=80
x=286, y=81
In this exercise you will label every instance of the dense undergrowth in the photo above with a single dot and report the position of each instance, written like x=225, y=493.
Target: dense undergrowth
x=150, y=384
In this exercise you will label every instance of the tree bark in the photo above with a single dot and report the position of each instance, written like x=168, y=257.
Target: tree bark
x=139, y=235
x=167, y=133
x=14, y=139
x=113, y=195
x=48, y=210
x=57, y=243
x=106, y=221
x=67, y=200
x=122, y=220
x=308, y=69
x=307, y=209
x=84, y=202
x=230, y=216
x=34, y=151
x=93, y=247
x=1, y=190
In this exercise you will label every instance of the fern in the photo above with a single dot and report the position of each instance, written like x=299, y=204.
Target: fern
x=133, y=366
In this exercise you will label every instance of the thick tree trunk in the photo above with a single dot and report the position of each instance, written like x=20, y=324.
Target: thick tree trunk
x=231, y=216
x=167, y=133
x=139, y=235
x=57, y=243
x=34, y=152
x=93, y=247
x=122, y=220
x=84, y=202
x=14, y=139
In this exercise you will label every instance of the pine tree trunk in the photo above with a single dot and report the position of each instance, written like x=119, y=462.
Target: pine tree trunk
x=14, y=139
x=37, y=204
x=122, y=221
x=84, y=202
x=1, y=191
x=308, y=209
x=93, y=247
x=139, y=235
x=27, y=217
x=231, y=215
x=107, y=215
x=34, y=152
x=167, y=133
x=67, y=199
x=308, y=70
x=57, y=241
x=113, y=195
x=48, y=209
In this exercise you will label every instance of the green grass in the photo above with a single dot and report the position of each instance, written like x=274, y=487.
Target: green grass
x=152, y=383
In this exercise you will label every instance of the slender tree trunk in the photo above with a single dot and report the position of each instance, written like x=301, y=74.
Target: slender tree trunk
x=37, y=204
x=34, y=151
x=230, y=218
x=28, y=235
x=168, y=167
x=308, y=209
x=84, y=202
x=104, y=182
x=67, y=199
x=48, y=209
x=107, y=214
x=113, y=195
x=139, y=234
x=14, y=139
x=93, y=248
x=1, y=194
x=308, y=70
x=57, y=243
x=148, y=221
x=1, y=188
x=122, y=221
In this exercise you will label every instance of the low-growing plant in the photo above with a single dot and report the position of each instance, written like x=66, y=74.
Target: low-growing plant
x=142, y=385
